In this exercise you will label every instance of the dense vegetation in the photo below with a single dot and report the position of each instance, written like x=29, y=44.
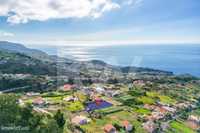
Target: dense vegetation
x=23, y=119
x=15, y=63
x=141, y=94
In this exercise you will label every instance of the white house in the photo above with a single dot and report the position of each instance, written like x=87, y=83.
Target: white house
x=100, y=90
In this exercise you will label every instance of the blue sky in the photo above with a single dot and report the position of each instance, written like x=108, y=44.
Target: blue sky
x=100, y=21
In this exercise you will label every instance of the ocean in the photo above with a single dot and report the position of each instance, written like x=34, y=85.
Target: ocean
x=180, y=59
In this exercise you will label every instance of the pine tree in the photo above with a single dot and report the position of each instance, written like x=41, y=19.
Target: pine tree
x=59, y=117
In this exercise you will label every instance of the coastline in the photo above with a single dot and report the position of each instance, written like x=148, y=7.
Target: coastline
x=182, y=60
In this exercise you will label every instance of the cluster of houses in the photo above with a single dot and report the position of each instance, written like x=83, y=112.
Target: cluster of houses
x=15, y=76
x=106, y=91
x=149, y=126
x=108, y=128
x=96, y=103
x=158, y=112
x=139, y=82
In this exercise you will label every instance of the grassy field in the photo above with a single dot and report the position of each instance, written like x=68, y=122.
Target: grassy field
x=179, y=127
x=74, y=106
x=164, y=99
x=110, y=110
x=167, y=100
x=57, y=99
x=124, y=115
x=29, y=101
x=96, y=126
x=146, y=100
x=80, y=96
x=152, y=94
x=125, y=97
x=142, y=111
x=111, y=100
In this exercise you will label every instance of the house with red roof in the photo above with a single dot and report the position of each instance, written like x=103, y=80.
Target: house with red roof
x=40, y=102
x=109, y=128
x=127, y=126
x=98, y=100
x=67, y=87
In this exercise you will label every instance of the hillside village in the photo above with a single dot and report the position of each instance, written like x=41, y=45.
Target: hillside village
x=119, y=107
x=56, y=95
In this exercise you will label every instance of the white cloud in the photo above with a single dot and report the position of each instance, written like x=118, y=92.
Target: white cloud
x=6, y=34
x=23, y=11
x=133, y=2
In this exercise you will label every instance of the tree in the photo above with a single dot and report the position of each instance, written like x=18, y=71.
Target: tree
x=184, y=115
x=51, y=127
x=198, y=130
x=26, y=114
x=11, y=114
x=44, y=124
x=59, y=117
x=9, y=110
x=70, y=81
x=113, y=81
x=117, y=126
x=35, y=121
x=87, y=82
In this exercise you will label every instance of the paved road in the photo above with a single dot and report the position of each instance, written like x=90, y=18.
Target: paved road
x=14, y=89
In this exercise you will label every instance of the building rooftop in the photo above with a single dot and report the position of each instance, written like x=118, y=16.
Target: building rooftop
x=109, y=128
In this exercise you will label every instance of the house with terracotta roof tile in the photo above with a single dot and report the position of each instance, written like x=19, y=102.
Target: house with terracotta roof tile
x=127, y=126
x=109, y=128
x=67, y=87
x=40, y=102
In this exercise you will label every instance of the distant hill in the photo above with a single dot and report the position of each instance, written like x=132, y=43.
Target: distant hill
x=16, y=58
x=17, y=63
x=19, y=48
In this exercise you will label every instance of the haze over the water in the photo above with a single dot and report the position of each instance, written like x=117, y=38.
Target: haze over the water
x=180, y=58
